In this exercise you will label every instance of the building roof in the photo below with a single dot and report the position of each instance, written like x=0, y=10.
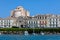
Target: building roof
x=10, y=18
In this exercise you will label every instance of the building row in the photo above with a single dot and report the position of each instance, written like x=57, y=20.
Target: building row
x=20, y=18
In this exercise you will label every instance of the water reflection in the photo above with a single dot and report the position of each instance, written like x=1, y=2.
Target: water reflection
x=30, y=37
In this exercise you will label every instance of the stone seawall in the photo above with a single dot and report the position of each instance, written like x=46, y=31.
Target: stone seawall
x=22, y=32
x=11, y=32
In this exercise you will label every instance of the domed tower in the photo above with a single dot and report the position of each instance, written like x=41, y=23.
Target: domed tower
x=19, y=11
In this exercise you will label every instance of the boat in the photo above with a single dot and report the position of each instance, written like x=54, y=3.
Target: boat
x=34, y=34
x=0, y=33
x=42, y=33
x=26, y=33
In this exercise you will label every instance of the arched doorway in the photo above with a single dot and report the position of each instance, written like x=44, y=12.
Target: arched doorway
x=21, y=26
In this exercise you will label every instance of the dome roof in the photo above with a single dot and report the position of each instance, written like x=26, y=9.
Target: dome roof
x=19, y=7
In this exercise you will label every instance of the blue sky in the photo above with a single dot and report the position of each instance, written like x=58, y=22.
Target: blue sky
x=34, y=6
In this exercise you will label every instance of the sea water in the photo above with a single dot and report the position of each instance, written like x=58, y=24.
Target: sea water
x=29, y=37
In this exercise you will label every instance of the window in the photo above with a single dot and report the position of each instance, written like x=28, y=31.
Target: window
x=34, y=22
x=28, y=22
x=54, y=22
x=45, y=17
x=19, y=21
x=39, y=17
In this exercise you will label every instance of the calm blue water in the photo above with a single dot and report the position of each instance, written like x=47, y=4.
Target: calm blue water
x=30, y=37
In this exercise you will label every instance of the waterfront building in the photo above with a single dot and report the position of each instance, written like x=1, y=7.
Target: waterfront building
x=20, y=18
x=53, y=21
x=7, y=22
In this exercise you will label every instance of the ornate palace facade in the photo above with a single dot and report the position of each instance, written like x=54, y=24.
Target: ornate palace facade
x=20, y=18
